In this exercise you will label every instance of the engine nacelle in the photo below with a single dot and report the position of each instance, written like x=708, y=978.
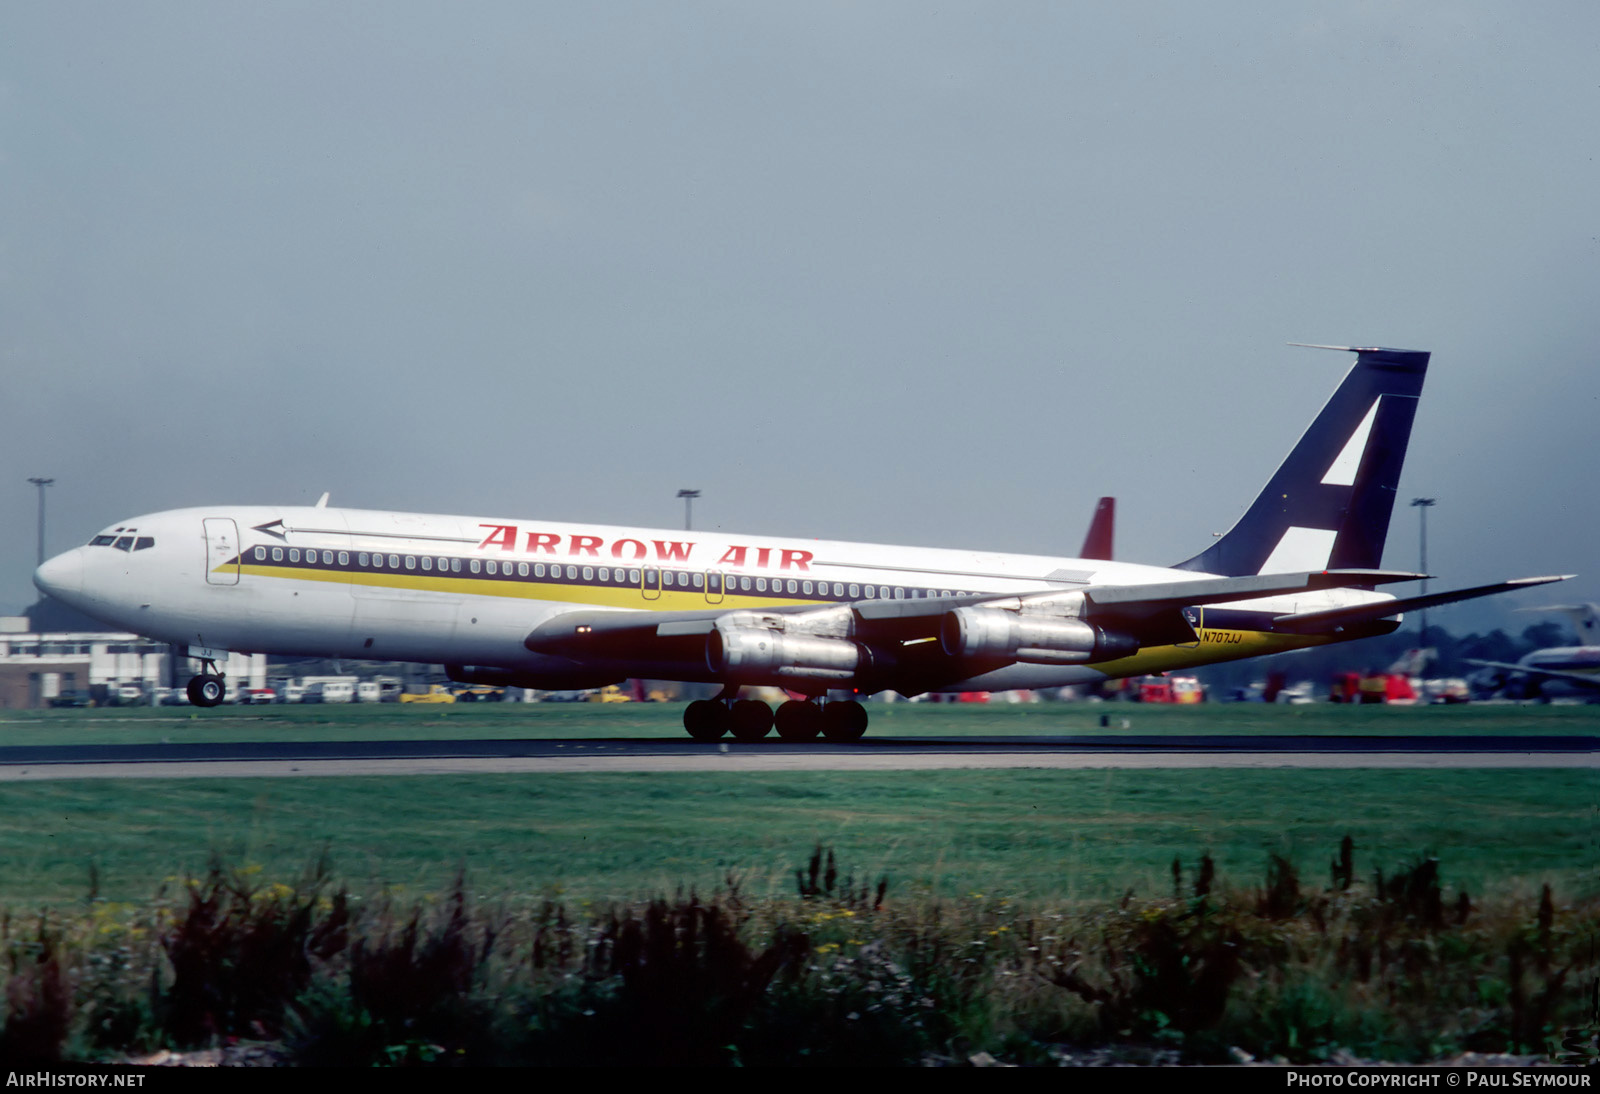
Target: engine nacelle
x=1037, y=639
x=745, y=651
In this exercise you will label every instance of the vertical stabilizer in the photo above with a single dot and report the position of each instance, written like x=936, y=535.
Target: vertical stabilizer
x=1097, y=544
x=1585, y=620
x=1328, y=505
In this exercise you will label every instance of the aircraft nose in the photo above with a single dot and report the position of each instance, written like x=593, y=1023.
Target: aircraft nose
x=62, y=576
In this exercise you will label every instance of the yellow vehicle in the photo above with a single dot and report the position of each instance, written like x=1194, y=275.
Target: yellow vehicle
x=472, y=693
x=436, y=693
x=608, y=694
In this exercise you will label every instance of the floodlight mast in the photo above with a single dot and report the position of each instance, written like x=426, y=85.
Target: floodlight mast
x=1422, y=505
x=41, y=484
x=688, y=497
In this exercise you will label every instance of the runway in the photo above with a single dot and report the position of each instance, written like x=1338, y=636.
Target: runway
x=266, y=759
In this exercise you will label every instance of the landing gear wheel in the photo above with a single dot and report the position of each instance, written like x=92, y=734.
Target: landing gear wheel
x=798, y=721
x=206, y=690
x=845, y=721
x=752, y=720
x=705, y=720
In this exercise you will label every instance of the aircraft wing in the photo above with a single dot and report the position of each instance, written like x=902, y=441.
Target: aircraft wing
x=1334, y=620
x=601, y=633
x=1582, y=679
x=1150, y=614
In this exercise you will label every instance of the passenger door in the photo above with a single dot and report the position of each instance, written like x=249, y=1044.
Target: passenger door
x=222, y=551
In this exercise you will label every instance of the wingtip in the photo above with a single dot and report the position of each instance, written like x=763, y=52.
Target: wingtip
x=1379, y=577
x=1353, y=349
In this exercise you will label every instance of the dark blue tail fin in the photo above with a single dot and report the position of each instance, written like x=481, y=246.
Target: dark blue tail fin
x=1329, y=504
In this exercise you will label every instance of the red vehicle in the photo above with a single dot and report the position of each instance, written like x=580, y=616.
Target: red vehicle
x=1169, y=689
x=1374, y=687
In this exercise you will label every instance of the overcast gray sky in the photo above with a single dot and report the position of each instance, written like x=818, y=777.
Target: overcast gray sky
x=938, y=274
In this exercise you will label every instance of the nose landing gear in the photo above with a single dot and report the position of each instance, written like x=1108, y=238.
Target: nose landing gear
x=208, y=689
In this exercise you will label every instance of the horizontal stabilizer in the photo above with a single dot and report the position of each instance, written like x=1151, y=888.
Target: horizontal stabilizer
x=1126, y=599
x=1336, y=619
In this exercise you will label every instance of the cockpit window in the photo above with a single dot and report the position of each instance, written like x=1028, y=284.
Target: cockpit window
x=123, y=542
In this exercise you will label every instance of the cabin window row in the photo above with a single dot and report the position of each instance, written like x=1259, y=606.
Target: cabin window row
x=680, y=579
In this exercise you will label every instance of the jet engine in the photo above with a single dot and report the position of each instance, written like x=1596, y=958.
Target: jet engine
x=981, y=632
x=745, y=645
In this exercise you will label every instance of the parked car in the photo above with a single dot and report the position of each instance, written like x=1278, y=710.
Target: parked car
x=436, y=693
x=330, y=691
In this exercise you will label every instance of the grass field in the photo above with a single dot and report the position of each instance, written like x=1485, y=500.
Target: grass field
x=1036, y=836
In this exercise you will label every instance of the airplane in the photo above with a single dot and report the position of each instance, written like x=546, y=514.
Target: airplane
x=1585, y=619
x=565, y=606
x=1554, y=671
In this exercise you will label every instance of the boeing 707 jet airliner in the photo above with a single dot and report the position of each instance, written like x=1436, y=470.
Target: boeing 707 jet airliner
x=1555, y=671
x=562, y=606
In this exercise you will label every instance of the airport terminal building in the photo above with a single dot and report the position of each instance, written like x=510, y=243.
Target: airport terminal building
x=54, y=655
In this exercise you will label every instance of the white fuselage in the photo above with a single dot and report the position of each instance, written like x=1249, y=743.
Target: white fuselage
x=468, y=590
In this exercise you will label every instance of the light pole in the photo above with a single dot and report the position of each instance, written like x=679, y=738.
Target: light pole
x=1422, y=505
x=688, y=497
x=41, y=484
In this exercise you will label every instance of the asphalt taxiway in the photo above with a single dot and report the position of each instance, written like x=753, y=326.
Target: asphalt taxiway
x=310, y=758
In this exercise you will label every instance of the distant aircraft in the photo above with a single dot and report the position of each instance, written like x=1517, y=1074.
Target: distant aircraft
x=557, y=605
x=1412, y=665
x=1097, y=543
x=1555, y=671
x=1585, y=619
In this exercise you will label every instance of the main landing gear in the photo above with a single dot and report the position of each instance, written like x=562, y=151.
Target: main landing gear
x=208, y=689
x=796, y=720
